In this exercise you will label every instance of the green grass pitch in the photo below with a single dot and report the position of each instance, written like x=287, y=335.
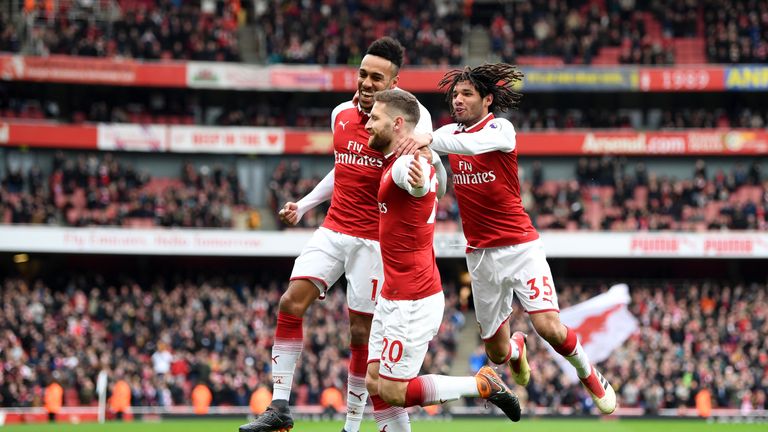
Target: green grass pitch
x=491, y=425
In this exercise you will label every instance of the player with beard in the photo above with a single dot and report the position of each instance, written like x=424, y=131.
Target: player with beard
x=347, y=243
x=410, y=309
x=504, y=254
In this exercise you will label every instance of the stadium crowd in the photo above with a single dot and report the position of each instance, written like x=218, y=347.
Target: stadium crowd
x=736, y=31
x=165, y=336
x=692, y=336
x=90, y=189
x=158, y=107
x=333, y=32
x=605, y=194
x=151, y=30
x=575, y=33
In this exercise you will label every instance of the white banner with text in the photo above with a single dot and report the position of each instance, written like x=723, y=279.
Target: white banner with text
x=159, y=241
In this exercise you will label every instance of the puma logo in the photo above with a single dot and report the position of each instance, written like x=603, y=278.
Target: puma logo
x=274, y=359
x=442, y=401
x=358, y=396
x=384, y=429
x=343, y=124
x=389, y=368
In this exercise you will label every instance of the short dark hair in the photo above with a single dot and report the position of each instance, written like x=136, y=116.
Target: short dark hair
x=403, y=102
x=388, y=48
x=497, y=79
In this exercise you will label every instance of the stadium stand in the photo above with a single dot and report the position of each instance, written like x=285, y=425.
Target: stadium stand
x=524, y=32
x=151, y=30
x=172, y=108
x=695, y=335
x=91, y=189
x=167, y=335
x=605, y=194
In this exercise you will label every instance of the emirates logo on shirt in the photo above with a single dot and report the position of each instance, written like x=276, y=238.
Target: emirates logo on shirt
x=357, y=159
x=467, y=176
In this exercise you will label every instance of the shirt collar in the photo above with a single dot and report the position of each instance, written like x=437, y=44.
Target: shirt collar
x=463, y=127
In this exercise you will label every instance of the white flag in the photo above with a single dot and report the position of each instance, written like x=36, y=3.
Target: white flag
x=603, y=323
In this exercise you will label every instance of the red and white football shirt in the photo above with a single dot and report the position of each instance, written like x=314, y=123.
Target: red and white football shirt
x=483, y=159
x=357, y=171
x=406, y=232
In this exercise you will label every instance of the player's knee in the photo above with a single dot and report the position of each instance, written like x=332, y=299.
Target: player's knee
x=372, y=384
x=298, y=297
x=359, y=334
x=551, y=330
x=290, y=305
x=495, y=353
x=392, y=395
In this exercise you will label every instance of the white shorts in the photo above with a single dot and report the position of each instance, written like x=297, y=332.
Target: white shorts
x=498, y=273
x=400, y=335
x=329, y=254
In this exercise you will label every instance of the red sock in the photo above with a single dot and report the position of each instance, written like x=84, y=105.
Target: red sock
x=378, y=403
x=289, y=327
x=569, y=344
x=358, y=360
x=416, y=392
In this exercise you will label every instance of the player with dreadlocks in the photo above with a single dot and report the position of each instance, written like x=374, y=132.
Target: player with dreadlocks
x=504, y=254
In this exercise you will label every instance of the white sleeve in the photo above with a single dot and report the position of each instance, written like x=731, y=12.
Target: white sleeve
x=425, y=121
x=498, y=134
x=321, y=193
x=442, y=176
x=400, y=175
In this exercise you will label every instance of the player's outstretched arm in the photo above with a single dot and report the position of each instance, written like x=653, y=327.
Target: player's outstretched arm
x=412, y=144
x=497, y=135
x=291, y=213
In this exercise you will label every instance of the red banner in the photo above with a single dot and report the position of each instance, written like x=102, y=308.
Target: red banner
x=682, y=79
x=84, y=70
x=239, y=76
x=253, y=140
x=48, y=135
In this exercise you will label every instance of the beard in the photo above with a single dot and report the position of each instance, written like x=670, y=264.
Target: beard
x=378, y=141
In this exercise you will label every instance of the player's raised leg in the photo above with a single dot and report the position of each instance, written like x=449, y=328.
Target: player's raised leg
x=565, y=341
x=493, y=307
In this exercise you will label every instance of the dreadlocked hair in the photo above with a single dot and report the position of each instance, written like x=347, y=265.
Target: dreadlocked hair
x=497, y=79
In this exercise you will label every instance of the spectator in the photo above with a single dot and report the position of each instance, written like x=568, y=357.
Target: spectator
x=219, y=335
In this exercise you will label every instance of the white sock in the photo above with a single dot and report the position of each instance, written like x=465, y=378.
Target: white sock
x=439, y=389
x=580, y=361
x=357, y=395
x=393, y=419
x=285, y=354
x=514, y=351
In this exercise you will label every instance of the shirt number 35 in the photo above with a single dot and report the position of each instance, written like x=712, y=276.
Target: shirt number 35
x=545, y=289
